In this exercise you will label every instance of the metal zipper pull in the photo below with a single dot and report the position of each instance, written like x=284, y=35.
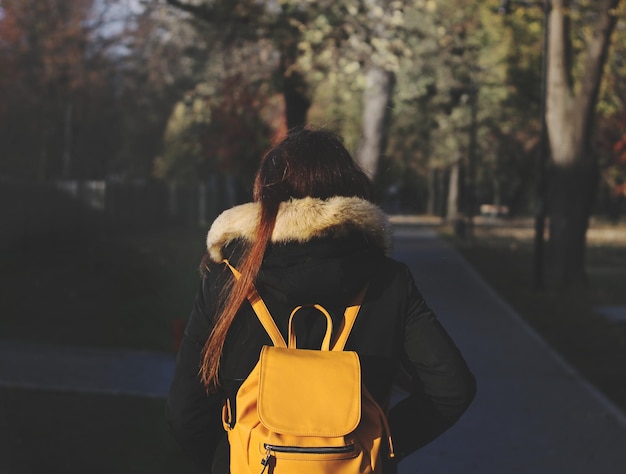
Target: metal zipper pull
x=266, y=460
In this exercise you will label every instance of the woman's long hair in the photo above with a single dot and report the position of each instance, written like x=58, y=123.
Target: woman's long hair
x=307, y=163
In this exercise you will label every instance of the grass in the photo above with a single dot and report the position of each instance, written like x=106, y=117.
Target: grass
x=567, y=319
x=113, y=291
x=67, y=433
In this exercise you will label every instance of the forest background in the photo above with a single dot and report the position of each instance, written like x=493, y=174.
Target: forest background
x=441, y=102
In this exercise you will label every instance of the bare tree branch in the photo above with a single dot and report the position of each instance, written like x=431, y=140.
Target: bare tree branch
x=202, y=11
x=241, y=13
x=596, y=57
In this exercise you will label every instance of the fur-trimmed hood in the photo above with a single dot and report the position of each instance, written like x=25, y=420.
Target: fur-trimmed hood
x=300, y=220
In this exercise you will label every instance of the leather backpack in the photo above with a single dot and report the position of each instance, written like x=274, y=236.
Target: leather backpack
x=305, y=411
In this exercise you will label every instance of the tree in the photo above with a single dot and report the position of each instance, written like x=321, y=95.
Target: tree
x=385, y=20
x=56, y=79
x=222, y=125
x=254, y=21
x=162, y=59
x=611, y=133
x=366, y=32
x=569, y=117
x=450, y=104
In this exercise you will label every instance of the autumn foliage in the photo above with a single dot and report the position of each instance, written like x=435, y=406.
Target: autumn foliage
x=54, y=71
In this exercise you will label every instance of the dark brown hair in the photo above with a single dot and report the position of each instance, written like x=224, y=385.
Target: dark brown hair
x=307, y=163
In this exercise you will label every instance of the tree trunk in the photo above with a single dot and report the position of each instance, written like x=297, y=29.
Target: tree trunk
x=296, y=101
x=432, y=192
x=453, y=192
x=571, y=198
x=472, y=158
x=376, y=104
x=569, y=119
x=294, y=87
x=497, y=192
x=67, y=140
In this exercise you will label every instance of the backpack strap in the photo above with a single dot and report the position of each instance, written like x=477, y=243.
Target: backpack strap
x=260, y=309
x=329, y=327
x=349, y=318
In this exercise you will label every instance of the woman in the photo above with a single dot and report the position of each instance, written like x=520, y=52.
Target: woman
x=312, y=235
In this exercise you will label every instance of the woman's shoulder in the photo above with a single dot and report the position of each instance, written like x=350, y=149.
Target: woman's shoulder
x=214, y=276
x=392, y=280
x=393, y=269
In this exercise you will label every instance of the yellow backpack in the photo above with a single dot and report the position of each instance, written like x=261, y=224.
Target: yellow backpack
x=304, y=411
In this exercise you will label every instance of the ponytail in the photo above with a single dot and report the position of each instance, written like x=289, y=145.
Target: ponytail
x=235, y=297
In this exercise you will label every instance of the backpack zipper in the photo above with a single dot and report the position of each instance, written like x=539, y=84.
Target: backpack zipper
x=310, y=450
x=269, y=448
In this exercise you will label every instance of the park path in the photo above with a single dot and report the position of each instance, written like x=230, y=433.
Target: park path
x=533, y=414
x=87, y=370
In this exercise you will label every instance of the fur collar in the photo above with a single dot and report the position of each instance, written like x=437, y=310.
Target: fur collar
x=301, y=220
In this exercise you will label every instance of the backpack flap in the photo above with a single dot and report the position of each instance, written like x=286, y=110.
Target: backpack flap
x=309, y=392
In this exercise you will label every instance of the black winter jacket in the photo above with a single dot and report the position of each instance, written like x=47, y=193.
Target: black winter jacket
x=321, y=252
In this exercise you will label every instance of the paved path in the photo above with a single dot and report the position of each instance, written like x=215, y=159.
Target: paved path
x=533, y=413
x=86, y=370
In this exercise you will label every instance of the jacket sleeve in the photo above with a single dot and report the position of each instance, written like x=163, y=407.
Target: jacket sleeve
x=442, y=386
x=193, y=416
